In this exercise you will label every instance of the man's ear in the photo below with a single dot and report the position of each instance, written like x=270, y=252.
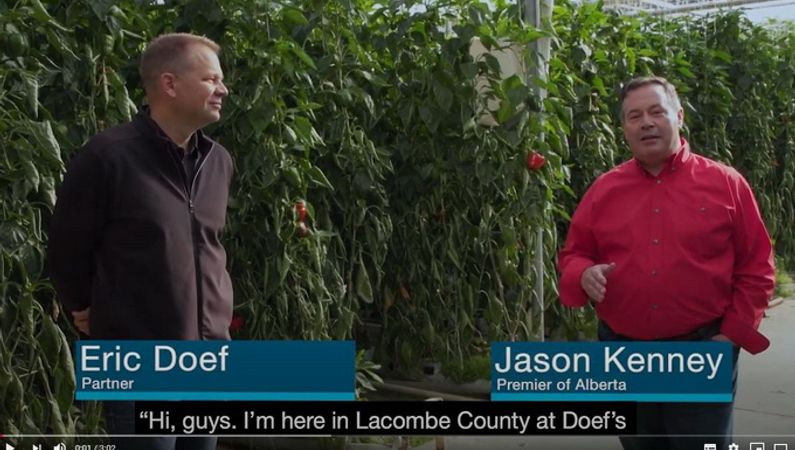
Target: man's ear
x=680, y=117
x=167, y=82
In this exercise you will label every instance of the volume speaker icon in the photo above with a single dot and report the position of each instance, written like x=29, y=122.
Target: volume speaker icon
x=60, y=446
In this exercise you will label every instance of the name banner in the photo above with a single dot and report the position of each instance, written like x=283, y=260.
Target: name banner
x=612, y=371
x=215, y=370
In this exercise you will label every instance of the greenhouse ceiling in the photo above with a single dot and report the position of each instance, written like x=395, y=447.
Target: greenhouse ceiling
x=757, y=10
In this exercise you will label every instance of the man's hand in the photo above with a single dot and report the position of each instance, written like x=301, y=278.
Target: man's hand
x=721, y=338
x=594, y=280
x=81, y=320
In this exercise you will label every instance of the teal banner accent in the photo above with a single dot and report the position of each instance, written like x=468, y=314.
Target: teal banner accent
x=215, y=370
x=612, y=371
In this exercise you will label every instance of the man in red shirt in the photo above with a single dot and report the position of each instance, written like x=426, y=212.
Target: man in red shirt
x=670, y=246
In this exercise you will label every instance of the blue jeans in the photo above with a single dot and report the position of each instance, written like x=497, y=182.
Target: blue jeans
x=120, y=420
x=680, y=426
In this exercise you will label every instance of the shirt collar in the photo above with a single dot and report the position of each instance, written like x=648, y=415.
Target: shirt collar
x=681, y=157
x=193, y=146
x=675, y=162
x=193, y=142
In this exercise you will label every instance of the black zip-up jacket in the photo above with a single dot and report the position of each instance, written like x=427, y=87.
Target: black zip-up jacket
x=132, y=239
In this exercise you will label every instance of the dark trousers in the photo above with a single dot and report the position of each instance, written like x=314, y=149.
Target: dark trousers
x=120, y=420
x=680, y=426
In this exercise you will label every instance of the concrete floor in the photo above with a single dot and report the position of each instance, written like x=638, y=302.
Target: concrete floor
x=764, y=408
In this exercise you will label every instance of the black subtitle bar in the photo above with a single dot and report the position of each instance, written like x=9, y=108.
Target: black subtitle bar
x=385, y=418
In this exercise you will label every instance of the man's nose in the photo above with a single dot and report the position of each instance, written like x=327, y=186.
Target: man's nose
x=646, y=121
x=222, y=89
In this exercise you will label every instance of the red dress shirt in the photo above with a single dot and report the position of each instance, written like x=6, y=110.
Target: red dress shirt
x=689, y=245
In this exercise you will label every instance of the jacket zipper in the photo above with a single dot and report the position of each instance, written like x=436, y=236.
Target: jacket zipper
x=193, y=226
x=193, y=229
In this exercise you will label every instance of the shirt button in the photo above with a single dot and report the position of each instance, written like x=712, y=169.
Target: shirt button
x=655, y=241
x=658, y=181
x=656, y=210
x=654, y=272
x=655, y=306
